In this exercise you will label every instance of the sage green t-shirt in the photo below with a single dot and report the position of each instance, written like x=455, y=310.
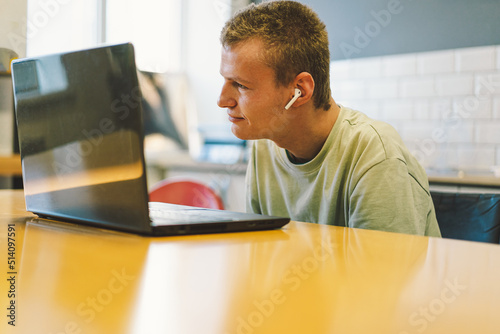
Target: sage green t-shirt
x=363, y=177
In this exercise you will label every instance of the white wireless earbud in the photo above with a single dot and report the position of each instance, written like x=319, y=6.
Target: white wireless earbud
x=294, y=98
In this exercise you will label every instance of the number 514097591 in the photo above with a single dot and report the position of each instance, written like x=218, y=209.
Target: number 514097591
x=11, y=243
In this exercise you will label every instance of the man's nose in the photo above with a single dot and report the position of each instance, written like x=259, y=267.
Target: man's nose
x=225, y=99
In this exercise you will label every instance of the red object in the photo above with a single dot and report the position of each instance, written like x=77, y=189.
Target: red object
x=185, y=192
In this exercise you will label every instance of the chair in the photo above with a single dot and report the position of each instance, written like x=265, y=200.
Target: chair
x=468, y=216
x=185, y=192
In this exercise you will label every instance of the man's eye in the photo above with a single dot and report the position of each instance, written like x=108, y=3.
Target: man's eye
x=238, y=85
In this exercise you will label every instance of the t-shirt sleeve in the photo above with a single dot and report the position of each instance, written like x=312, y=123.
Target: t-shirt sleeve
x=388, y=198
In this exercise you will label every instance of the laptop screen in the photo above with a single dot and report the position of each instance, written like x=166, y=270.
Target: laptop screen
x=80, y=129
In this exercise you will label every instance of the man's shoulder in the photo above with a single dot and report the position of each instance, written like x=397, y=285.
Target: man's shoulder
x=368, y=133
x=359, y=123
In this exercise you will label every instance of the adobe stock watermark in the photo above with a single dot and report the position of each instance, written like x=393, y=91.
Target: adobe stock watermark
x=364, y=36
x=430, y=312
x=88, y=309
x=428, y=146
x=76, y=152
x=291, y=281
x=39, y=20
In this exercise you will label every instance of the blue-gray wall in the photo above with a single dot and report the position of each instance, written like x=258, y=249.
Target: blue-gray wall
x=366, y=28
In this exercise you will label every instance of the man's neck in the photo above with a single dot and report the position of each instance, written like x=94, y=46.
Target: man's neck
x=311, y=134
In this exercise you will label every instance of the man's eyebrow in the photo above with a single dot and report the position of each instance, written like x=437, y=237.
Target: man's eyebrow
x=238, y=79
x=235, y=78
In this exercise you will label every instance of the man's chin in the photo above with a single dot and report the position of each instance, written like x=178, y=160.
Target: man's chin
x=238, y=133
x=245, y=134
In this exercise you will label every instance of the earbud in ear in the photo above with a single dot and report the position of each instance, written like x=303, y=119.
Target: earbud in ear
x=294, y=98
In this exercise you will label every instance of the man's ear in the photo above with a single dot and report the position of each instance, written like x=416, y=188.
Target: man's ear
x=305, y=82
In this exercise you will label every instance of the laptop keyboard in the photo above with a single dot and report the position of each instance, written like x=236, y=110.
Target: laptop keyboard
x=164, y=217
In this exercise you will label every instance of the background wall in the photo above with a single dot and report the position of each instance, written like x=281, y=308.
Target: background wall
x=13, y=25
x=204, y=22
x=367, y=28
x=445, y=104
x=431, y=68
x=12, y=37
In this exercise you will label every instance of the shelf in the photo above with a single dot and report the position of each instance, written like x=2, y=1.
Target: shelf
x=10, y=165
x=466, y=180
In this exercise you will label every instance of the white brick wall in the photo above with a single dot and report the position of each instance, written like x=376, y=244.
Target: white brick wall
x=496, y=108
x=488, y=132
x=436, y=62
x=417, y=87
x=445, y=104
x=455, y=84
x=396, y=66
x=498, y=57
x=475, y=59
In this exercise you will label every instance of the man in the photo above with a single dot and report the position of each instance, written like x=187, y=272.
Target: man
x=313, y=160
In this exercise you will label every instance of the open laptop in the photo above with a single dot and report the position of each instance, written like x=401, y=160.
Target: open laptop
x=80, y=127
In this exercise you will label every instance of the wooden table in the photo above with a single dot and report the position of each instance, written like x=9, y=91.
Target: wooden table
x=305, y=278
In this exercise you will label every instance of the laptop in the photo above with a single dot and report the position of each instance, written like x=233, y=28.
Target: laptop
x=81, y=134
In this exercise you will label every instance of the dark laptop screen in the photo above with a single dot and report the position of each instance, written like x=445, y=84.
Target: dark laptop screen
x=80, y=131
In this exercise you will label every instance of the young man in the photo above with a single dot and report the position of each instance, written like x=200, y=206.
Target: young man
x=313, y=160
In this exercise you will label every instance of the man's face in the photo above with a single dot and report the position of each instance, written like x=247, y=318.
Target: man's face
x=254, y=102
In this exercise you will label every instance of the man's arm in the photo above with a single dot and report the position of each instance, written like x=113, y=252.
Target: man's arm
x=388, y=197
